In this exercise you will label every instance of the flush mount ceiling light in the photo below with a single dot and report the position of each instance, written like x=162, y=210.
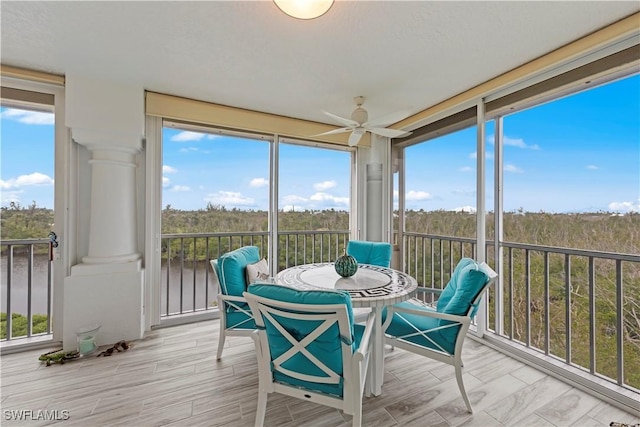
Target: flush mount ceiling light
x=304, y=9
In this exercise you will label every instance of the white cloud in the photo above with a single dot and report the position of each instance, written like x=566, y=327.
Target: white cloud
x=417, y=195
x=188, y=150
x=513, y=142
x=293, y=199
x=228, y=198
x=180, y=188
x=259, y=182
x=28, y=117
x=324, y=186
x=466, y=169
x=592, y=167
x=7, y=197
x=625, y=207
x=187, y=135
x=324, y=197
x=519, y=142
x=168, y=169
x=468, y=209
x=294, y=203
x=512, y=168
x=35, y=178
x=165, y=181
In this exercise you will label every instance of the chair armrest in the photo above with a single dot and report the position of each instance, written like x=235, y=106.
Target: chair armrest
x=363, y=349
x=231, y=298
x=433, y=314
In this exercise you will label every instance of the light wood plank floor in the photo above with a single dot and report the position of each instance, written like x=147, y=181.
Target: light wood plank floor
x=172, y=378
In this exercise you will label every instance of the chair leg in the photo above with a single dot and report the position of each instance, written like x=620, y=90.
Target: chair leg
x=458, y=367
x=261, y=410
x=221, y=340
x=357, y=414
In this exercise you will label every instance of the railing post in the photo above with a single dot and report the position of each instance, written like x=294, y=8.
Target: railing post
x=8, y=324
x=498, y=229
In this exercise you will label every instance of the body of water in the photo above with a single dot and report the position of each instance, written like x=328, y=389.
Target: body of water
x=193, y=281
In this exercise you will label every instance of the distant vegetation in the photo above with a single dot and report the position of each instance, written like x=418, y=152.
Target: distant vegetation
x=25, y=222
x=19, y=325
x=599, y=231
x=596, y=231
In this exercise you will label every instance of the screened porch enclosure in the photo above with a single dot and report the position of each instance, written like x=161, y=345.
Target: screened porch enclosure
x=492, y=174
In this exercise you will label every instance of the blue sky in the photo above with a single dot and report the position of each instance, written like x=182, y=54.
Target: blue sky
x=577, y=154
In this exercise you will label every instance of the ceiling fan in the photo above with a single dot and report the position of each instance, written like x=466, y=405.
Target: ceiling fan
x=359, y=123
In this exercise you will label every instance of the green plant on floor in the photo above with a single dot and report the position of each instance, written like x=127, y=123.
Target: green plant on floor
x=58, y=356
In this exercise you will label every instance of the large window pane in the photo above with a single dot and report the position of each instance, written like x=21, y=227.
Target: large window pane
x=572, y=180
x=27, y=144
x=440, y=200
x=215, y=197
x=314, y=198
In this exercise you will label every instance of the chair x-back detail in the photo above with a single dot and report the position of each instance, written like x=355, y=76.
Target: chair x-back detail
x=308, y=347
x=439, y=332
x=235, y=314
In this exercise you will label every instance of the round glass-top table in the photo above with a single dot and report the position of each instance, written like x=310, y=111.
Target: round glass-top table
x=371, y=286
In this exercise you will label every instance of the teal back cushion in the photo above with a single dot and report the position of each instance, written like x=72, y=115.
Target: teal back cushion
x=452, y=286
x=231, y=269
x=327, y=347
x=466, y=283
x=374, y=253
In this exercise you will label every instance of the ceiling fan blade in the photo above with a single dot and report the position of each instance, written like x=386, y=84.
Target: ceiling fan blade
x=343, y=120
x=331, y=132
x=389, y=133
x=355, y=136
x=387, y=120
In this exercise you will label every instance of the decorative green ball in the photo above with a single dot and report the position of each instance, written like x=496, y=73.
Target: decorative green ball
x=346, y=265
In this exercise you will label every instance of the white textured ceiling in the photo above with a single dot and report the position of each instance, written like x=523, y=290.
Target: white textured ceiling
x=400, y=55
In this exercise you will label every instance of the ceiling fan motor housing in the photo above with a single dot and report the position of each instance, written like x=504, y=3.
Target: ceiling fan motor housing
x=360, y=115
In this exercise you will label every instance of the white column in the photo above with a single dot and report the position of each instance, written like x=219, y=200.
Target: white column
x=112, y=232
x=374, y=205
x=374, y=202
x=107, y=287
x=481, y=233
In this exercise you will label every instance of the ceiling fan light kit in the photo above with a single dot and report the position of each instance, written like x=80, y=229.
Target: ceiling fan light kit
x=304, y=9
x=359, y=123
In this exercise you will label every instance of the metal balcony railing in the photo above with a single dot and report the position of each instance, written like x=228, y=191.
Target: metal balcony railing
x=579, y=307
x=26, y=288
x=188, y=285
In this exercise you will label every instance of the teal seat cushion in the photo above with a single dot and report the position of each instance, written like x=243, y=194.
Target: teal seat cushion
x=232, y=269
x=327, y=347
x=399, y=328
x=374, y=253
